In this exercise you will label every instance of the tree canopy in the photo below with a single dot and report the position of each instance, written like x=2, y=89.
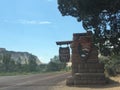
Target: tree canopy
x=84, y=8
x=100, y=16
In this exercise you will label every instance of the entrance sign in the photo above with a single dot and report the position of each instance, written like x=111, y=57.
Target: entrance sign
x=64, y=54
x=86, y=68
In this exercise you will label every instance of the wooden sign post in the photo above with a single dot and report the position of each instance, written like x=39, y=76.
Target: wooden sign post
x=64, y=52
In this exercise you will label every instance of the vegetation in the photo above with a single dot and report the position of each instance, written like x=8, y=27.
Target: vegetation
x=112, y=64
x=100, y=16
x=10, y=67
x=55, y=64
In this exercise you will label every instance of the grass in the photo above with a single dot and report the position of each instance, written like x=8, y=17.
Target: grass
x=14, y=73
x=26, y=73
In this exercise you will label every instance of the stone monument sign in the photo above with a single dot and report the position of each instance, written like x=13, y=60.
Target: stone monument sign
x=86, y=68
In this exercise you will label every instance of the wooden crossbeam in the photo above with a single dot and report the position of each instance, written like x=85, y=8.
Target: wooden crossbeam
x=63, y=42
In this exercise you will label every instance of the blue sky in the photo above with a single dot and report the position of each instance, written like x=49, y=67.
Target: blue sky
x=34, y=26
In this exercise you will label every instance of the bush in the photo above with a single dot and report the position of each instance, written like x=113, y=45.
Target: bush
x=111, y=64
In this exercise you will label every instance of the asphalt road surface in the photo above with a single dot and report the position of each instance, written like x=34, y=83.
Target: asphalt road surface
x=32, y=82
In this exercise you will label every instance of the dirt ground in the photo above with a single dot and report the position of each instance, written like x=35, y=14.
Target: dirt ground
x=113, y=85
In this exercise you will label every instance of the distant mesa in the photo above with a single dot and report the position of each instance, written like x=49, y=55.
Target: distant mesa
x=2, y=49
x=21, y=57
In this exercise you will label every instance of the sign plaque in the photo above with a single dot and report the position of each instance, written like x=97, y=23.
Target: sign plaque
x=64, y=54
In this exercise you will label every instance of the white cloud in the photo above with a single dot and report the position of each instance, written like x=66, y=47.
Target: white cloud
x=34, y=22
x=45, y=22
x=23, y=21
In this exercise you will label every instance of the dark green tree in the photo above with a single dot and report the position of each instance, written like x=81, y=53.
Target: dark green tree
x=1, y=63
x=42, y=67
x=12, y=66
x=102, y=17
x=7, y=64
x=55, y=64
x=19, y=65
x=6, y=61
x=52, y=66
x=32, y=63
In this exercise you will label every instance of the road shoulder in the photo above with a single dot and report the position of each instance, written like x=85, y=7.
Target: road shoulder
x=111, y=86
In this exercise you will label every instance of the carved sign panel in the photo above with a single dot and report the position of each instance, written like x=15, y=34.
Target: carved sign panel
x=64, y=54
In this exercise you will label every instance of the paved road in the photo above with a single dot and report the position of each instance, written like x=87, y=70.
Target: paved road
x=32, y=82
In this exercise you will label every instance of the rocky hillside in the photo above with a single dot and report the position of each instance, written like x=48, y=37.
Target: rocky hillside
x=21, y=57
